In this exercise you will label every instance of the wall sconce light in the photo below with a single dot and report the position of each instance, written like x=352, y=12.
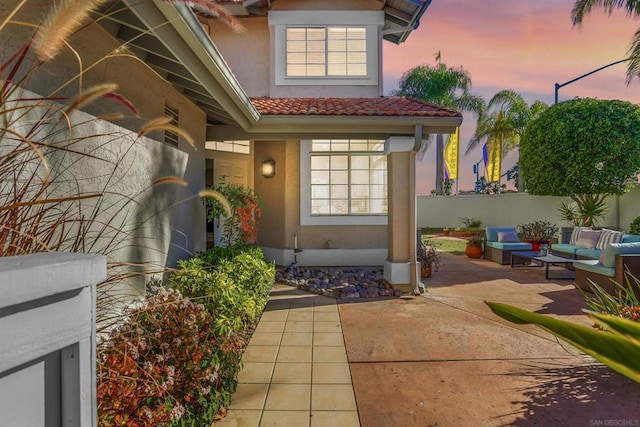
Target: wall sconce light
x=269, y=168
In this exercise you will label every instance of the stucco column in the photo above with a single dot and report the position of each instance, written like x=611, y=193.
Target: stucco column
x=400, y=268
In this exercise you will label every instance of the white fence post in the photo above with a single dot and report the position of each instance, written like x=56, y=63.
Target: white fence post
x=47, y=339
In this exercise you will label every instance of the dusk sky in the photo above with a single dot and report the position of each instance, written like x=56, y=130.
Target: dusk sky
x=526, y=46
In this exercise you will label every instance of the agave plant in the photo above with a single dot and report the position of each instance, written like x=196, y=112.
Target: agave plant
x=615, y=340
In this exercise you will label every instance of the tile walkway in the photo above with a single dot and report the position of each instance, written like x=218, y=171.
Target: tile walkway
x=295, y=370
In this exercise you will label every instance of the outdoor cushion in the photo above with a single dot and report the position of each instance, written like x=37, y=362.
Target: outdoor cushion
x=492, y=232
x=608, y=257
x=575, y=233
x=629, y=238
x=594, y=266
x=522, y=246
x=608, y=236
x=508, y=237
x=588, y=253
x=588, y=239
x=565, y=248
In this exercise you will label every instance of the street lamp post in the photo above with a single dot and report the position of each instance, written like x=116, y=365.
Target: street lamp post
x=559, y=85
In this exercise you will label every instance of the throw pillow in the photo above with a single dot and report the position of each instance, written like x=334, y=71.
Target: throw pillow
x=588, y=239
x=575, y=233
x=608, y=236
x=508, y=237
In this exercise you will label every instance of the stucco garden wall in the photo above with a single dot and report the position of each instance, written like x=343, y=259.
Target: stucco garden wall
x=512, y=209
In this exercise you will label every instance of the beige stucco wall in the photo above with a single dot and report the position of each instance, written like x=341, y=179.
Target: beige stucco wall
x=280, y=197
x=629, y=208
x=516, y=208
x=249, y=52
x=149, y=93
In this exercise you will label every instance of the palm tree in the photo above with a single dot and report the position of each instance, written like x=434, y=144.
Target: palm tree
x=581, y=8
x=503, y=122
x=448, y=87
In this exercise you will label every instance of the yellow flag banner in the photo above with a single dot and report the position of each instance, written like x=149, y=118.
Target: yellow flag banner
x=493, y=158
x=451, y=155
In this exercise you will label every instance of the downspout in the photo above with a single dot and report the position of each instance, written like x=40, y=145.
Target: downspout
x=418, y=287
x=414, y=26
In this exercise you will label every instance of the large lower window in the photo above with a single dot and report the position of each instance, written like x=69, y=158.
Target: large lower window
x=348, y=177
x=326, y=51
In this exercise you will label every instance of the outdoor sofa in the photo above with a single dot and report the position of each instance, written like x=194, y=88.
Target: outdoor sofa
x=590, y=247
x=617, y=259
x=500, y=242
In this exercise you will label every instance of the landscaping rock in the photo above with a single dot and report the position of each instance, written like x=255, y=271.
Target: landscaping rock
x=339, y=283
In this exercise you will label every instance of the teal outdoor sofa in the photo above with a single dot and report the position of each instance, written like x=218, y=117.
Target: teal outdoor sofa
x=616, y=260
x=568, y=250
x=500, y=242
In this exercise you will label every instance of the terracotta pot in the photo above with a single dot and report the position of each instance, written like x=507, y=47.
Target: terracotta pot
x=425, y=271
x=535, y=244
x=446, y=232
x=473, y=251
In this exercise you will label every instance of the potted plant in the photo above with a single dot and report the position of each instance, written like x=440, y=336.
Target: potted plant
x=537, y=233
x=446, y=231
x=428, y=257
x=474, y=246
x=471, y=227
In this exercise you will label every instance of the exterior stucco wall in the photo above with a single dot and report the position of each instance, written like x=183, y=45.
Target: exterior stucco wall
x=280, y=223
x=629, y=208
x=516, y=208
x=151, y=159
x=250, y=53
x=246, y=53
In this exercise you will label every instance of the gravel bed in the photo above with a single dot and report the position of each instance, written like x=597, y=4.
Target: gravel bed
x=339, y=282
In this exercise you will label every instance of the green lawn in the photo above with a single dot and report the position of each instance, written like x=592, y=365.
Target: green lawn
x=444, y=244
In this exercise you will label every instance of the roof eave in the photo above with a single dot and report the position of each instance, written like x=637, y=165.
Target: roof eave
x=184, y=36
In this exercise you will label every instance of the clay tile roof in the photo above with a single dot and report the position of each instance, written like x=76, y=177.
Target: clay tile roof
x=384, y=106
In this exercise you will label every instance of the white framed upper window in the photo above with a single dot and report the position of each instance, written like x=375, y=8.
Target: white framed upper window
x=326, y=51
x=331, y=48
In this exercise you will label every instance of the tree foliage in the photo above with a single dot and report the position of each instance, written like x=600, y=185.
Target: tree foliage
x=504, y=120
x=582, y=147
x=581, y=8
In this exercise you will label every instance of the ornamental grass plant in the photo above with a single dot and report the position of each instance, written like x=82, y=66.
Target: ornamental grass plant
x=66, y=185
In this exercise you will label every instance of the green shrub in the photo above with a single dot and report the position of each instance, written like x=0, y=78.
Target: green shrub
x=165, y=365
x=234, y=287
x=635, y=226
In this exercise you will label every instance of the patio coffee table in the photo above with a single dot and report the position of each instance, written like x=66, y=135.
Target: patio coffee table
x=536, y=259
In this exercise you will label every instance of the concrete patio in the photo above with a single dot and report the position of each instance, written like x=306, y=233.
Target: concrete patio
x=439, y=359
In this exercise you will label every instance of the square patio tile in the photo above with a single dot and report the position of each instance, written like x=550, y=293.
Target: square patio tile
x=240, y=418
x=335, y=419
x=291, y=373
x=329, y=355
x=299, y=327
x=270, y=327
x=294, y=355
x=285, y=418
x=249, y=396
x=288, y=397
x=326, y=316
x=256, y=372
x=300, y=316
x=297, y=339
x=328, y=307
x=274, y=315
x=331, y=373
x=327, y=327
x=329, y=339
x=260, y=353
x=334, y=397
x=266, y=338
